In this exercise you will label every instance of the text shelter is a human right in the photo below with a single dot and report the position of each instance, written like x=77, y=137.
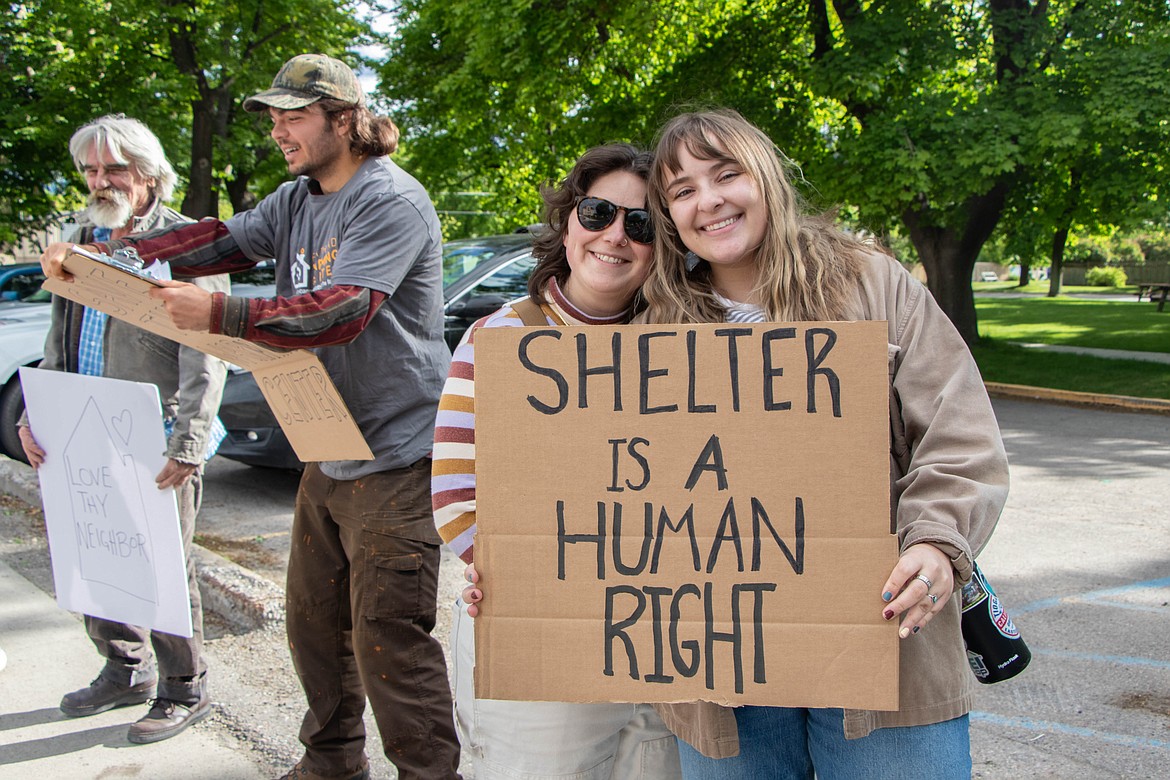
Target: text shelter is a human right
x=671, y=513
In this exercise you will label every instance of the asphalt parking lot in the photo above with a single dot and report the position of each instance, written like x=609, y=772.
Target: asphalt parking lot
x=1081, y=560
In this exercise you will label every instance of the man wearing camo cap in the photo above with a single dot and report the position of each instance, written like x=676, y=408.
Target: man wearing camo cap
x=359, y=278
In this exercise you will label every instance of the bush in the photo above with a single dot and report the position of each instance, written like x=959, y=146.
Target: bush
x=1105, y=277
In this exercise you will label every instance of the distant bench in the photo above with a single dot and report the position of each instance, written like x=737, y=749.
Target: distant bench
x=1157, y=292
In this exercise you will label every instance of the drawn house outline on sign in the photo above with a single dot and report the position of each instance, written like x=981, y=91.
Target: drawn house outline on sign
x=114, y=543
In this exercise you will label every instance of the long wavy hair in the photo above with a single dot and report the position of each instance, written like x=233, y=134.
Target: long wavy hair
x=808, y=268
x=369, y=133
x=548, y=246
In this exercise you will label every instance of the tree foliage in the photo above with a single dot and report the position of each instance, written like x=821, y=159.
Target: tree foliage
x=933, y=119
x=181, y=66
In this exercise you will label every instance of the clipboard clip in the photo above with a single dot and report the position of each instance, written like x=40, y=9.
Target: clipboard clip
x=126, y=259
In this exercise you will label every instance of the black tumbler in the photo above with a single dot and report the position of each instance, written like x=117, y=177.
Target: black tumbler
x=995, y=649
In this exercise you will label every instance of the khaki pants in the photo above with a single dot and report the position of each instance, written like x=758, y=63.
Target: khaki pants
x=524, y=740
x=362, y=581
x=127, y=649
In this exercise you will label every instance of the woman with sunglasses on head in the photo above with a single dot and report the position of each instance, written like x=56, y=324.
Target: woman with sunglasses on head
x=591, y=261
x=734, y=245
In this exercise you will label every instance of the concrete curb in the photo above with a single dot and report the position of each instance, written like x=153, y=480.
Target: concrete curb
x=245, y=599
x=1124, y=403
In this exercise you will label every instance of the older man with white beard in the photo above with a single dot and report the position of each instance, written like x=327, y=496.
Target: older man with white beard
x=129, y=179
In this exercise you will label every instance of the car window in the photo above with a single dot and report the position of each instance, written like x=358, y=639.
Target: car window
x=24, y=287
x=511, y=281
x=461, y=258
x=262, y=274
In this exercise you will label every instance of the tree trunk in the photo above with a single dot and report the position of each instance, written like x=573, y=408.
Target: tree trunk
x=201, y=199
x=949, y=255
x=210, y=119
x=1058, y=242
x=237, y=185
x=948, y=276
x=1025, y=273
x=1060, y=238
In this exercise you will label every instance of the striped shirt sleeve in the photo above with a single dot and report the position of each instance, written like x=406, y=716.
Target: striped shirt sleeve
x=334, y=315
x=453, y=468
x=192, y=248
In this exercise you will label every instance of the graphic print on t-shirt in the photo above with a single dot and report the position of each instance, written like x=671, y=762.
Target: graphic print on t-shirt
x=317, y=271
x=299, y=271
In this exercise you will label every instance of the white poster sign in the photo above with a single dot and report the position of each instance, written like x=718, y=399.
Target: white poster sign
x=114, y=537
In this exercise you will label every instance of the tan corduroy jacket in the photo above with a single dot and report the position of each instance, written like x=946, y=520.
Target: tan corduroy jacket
x=948, y=483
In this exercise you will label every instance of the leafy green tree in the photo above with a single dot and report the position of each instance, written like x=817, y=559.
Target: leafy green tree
x=182, y=66
x=919, y=117
x=1098, y=132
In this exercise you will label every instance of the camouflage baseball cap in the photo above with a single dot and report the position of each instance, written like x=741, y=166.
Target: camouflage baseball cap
x=306, y=79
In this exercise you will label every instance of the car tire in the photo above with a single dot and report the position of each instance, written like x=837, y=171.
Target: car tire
x=11, y=408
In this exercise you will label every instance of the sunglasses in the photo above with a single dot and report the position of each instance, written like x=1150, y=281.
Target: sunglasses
x=596, y=214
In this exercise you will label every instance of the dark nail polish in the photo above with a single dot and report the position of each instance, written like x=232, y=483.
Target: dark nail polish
x=889, y=613
x=887, y=596
x=915, y=631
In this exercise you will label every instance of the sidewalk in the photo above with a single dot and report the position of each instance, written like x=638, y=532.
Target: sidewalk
x=48, y=653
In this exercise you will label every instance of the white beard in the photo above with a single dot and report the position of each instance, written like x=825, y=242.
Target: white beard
x=111, y=209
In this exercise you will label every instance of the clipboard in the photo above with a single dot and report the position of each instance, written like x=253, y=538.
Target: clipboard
x=302, y=396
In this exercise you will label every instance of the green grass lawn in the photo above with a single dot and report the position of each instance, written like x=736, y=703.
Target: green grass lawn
x=1071, y=322
x=1075, y=322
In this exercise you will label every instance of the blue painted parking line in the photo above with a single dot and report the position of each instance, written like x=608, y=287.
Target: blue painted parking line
x=1029, y=724
x=1097, y=596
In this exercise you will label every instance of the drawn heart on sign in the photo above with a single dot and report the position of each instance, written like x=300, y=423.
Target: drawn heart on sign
x=123, y=424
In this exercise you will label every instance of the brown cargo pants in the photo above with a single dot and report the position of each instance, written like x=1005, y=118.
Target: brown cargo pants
x=361, y=598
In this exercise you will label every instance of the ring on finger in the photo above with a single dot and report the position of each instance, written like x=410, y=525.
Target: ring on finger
x=925, y=580
x=933, y=599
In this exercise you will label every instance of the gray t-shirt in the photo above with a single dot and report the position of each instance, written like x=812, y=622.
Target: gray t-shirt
x=380, y=231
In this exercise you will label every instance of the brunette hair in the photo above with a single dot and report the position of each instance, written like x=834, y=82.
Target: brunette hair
x=369, y=134
x=808, y=268
x=548, y=246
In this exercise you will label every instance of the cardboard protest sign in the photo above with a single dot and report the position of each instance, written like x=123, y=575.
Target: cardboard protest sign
x=116, y=547
x=673, y=513
x=303, y=398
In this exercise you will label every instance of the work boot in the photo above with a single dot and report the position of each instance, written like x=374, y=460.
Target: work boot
x=166, y=719
x=102, y=695
x=302, y=772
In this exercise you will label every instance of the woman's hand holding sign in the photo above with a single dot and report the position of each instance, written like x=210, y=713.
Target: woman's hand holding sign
x=923, y=580
x=472, y=595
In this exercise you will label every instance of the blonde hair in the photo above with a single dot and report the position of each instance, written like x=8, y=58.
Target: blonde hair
x=808, y=268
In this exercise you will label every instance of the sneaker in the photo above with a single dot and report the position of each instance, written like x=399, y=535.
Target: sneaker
x=166, y=719
x=302, y=772
x=102, y=695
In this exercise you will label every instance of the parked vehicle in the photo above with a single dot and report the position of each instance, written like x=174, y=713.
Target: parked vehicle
x=479, y=276
x=24, y=321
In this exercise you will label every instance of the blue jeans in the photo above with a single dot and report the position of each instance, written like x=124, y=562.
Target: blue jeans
x=779, y=743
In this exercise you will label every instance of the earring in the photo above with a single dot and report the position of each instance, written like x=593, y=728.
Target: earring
x=691, y=261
